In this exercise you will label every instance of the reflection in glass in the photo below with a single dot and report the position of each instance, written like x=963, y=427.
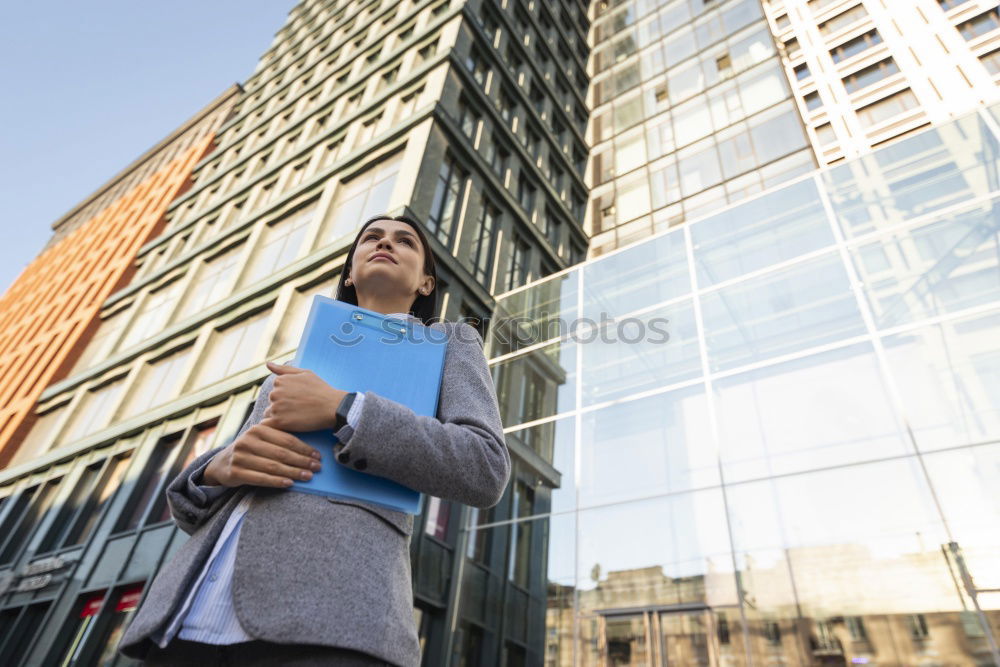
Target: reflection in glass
x=948, y=378
x=531, y=316
x=650, y=446
x=915, y=176
x=933, y=269
x=538, y=384
x=647, y=351
x=779, y=313
x=636, y=277
x=804, y=414
x=768, y=230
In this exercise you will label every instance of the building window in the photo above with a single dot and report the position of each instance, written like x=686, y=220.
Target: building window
x=447, y=196
x=497, y=156
x=825, y=134
x=870, y=75
x=279, y=245
x=842, y=20
x=888, y=107
x=519, y=568
x=407, y=105
x=95, y=410
x=951, y=4
x=476, y=63
x=526, y=192
x=517, y=268
x=364, y=195
x=153, y=314
x=157, y=383
x=482, y=251
x=23, y=517
x=507, y=106
x=813, y=101
x=991, y=61
x=230, y=350
x=918, y=626
x=979, y=25
x=856, y=628
x=853, y=47
x=468, y=118
x=212, y=281
x=792, y=47
x=722, y=627
x=802, y=71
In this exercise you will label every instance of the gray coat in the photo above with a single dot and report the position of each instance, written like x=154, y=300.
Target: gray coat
x=317, y=570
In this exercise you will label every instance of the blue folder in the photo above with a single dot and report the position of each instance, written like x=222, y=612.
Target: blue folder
x=356, y=349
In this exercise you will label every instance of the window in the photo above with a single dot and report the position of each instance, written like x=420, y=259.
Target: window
x=979, y=25
x=157, y=383
x=480, y=540
x=94, y=410
x=368, y=129
x=813, y=100
x=519, y=569
x=489, y=24
x=27, y=508
x=438, y=514
x=481, y=259
x=802, y=71
x=279, y=245
x=842, y=20
x=722, y=627
x=951, y=4
x=199, y=441
x=526, y=192
x=153, y=314
x=476, y=63
x=918, y=626
x=147, y=486
x=887, y=107
x=230, y=349
x=468, y=118
x=825, y=134
x=447, y=195
x=517, y=268
x=853, y=47
x=407, y=105
x=532, y=143
x=792, y=47
x=870, y=75
x=856, y=628
x=507, y=106
x=212, y=281
x=362, y=196
x=388, y=79
x=497, y=156
x=991, y=61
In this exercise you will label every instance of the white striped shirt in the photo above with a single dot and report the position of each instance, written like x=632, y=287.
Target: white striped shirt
x=207, y=614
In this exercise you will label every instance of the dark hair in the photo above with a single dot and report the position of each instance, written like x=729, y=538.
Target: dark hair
x=425, y=305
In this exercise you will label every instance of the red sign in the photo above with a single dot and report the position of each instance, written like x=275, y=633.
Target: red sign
x=129, y=599
x=93, y=605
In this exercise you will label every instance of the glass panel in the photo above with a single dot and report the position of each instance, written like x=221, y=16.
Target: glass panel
x=231, y=349
x=948, y=378
x=768, y=230
x=542, y=312
x=965, y=484
x=779, y=313
x=664, y=551
x=823, y=410
x=860, y=542
x=538, y=384
x=654, y=349
x=650, y=446
x=637, y=277
x=918, y=175
x=934, y=269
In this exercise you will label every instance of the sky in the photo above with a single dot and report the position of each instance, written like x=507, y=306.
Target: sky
x=90, y=86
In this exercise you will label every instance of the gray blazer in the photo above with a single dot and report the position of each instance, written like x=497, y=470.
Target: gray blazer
x=317, y=570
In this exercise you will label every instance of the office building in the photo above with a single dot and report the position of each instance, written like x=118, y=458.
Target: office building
x=50, y=312
x=697, y=105
x=774, y=430
x=467, y=115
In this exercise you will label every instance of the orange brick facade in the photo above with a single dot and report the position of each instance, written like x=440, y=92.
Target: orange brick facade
x=51, y=310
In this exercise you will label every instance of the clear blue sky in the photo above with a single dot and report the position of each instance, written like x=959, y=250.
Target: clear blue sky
x=89, y=86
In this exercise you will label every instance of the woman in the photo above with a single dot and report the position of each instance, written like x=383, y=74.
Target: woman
x=316, y=580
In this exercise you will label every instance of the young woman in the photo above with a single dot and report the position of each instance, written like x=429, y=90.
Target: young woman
x=271, y=576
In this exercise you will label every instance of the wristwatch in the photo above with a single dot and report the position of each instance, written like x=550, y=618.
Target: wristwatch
x=343, y=409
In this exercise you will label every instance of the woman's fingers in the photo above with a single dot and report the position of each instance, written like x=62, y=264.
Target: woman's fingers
x=246, y=465
x=286, y=440
x=279, y=453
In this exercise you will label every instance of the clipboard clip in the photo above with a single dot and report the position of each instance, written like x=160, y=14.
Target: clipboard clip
x=381, y=323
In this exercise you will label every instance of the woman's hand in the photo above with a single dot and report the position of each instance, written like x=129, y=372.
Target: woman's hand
x=262, y=456
x=300, y=400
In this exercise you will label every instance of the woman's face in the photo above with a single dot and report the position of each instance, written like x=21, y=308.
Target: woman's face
x=389, y=258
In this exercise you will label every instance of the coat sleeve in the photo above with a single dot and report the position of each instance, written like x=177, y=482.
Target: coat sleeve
x=192, y=503
x=461, y=454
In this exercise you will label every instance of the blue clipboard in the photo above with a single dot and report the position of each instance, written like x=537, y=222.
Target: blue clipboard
x=356, y=349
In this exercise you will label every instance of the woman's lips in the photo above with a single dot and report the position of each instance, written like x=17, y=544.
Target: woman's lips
x=381, y=257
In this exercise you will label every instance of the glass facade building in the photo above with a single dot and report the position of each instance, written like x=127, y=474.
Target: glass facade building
x=769, y=436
